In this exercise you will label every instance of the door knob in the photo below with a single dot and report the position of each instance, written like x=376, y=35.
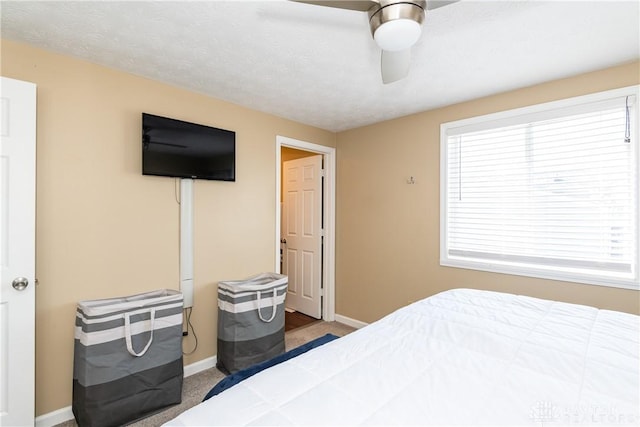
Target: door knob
x=20, y=283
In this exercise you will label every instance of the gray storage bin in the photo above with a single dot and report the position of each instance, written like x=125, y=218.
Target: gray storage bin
x=127, y=357
x=250, y=320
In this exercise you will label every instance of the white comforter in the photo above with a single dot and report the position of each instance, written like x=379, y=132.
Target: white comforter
x=460, y=357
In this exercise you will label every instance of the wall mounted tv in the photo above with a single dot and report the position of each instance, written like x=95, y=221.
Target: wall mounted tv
x=187, y=150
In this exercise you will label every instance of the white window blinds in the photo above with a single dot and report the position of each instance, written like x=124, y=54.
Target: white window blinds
x=549, y=193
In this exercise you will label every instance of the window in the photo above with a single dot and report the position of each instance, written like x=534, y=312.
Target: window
x=545, y=191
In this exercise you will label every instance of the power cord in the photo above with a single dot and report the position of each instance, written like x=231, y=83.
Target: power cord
x=176, y=185
x=187, y=313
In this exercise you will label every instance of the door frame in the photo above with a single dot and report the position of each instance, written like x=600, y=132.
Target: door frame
x=329, y=203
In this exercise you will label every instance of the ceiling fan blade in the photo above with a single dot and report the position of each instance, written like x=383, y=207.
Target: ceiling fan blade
x=434, y=4
x=395, y=65
x=170, y=144
x=359, y=5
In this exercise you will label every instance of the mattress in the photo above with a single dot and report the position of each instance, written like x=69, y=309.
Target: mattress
x=459, y=357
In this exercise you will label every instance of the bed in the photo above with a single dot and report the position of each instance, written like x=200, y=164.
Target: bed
x=459, y=357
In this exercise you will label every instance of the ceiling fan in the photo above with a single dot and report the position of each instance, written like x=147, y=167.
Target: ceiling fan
x=395, y=26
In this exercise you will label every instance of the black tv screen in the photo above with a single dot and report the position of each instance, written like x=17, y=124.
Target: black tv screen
x=181, y=149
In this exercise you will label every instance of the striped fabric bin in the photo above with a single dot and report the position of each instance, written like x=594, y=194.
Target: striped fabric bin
x=127, y=357
x=250, y=320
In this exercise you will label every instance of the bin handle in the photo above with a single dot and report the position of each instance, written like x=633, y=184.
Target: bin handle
x=127, y=333
x=273, y=312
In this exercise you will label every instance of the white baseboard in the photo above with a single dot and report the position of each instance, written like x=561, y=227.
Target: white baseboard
x=54, y=418
x=350, y=322
x=199, y=366
x=65, y=414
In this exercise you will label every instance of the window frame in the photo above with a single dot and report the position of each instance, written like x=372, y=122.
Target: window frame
x=534, y=113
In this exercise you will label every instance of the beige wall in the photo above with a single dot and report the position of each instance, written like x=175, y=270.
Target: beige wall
x=388, y=230
x=104, y=230
x=289, y=153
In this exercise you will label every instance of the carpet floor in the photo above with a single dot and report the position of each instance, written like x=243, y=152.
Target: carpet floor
x=195, y=387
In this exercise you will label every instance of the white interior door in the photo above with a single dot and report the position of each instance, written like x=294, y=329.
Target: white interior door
x=302, y=234
x=17, y=252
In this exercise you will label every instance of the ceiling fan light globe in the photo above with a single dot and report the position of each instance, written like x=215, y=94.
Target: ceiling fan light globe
x=398, y=34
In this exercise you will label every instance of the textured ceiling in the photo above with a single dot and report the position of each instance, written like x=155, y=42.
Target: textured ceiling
x=320, y=66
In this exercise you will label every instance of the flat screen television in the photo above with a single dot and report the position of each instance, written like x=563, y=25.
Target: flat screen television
x=181, y=149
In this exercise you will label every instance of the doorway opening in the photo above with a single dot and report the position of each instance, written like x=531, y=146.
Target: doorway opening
x=285, y=149
x=294, y=320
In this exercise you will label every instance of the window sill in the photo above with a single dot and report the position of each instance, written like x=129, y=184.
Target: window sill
x=541, y=273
